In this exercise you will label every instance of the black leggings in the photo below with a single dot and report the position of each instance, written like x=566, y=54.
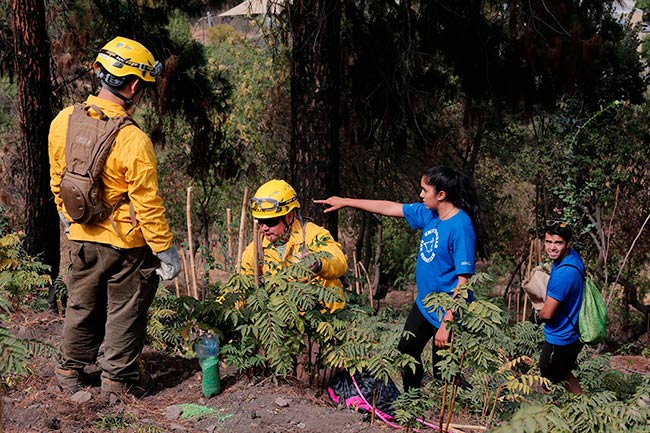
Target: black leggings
x=414, y=345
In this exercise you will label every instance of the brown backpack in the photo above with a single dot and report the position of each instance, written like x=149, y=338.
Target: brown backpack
x=89, y=141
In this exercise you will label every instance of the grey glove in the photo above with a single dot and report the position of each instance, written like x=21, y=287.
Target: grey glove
x=66, y=223
x=316, y=266
x=311, y=262
x=170, y=264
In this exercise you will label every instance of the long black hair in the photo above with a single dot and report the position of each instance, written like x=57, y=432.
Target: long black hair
x=461, y=192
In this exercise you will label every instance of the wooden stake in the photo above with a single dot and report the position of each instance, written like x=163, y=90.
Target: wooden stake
x=517, y=304
x=188, y=291
x=529, y=268
x=178, y=289
x=242, y=228
x=356, y=273
x=256, y=255
x=377, y=259
x=188, y=210
x=510, y=301
x=523, y=315
x=372, y=302
x=229, y=234
x=531, y=250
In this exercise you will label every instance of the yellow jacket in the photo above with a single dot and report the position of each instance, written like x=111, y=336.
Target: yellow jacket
x=130, y=168
x=333, y=267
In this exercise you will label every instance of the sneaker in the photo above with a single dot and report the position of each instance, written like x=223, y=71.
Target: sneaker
x=69, y=380
x=144, y=386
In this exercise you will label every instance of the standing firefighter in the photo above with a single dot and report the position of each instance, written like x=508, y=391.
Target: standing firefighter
x=120, y=242
x=287, y=240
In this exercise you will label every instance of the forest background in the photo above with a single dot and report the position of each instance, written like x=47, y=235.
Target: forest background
x=544, y=103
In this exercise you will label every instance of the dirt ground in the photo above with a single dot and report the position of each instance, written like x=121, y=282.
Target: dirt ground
x=35, y=405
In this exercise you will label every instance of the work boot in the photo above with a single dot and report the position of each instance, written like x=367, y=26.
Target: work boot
x=69, y=380
x=144, y=386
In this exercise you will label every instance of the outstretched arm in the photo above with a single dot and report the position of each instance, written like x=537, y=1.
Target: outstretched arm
x=381, y=207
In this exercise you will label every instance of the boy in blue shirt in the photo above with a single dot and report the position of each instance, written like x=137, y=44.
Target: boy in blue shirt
x=561, y=308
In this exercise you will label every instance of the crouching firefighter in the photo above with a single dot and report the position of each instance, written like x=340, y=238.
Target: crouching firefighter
x=287, y=240
x=104, y=179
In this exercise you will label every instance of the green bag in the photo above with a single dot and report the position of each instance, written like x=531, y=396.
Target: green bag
x=592, y=320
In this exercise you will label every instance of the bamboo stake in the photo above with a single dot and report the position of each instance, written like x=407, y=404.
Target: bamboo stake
x=256, y=255
x=229, y=233
x=356, y=273
x=443, y=404
x=469, y=427
x=627, y=255
x=178, y=289
x=377, y=259
x=523, y=315
x=529, y=268
x=454, y=390
x=517, y=304
x=510, y=301
x=374, y=403
x=188, y=291
x=188, y=210
x=609, y=236
x=242, y=227
x=372, y=303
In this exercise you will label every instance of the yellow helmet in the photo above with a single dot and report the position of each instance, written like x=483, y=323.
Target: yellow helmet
x=273, y=199
x=122, y=57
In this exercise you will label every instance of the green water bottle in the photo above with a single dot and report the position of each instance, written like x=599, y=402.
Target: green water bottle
x=207, y=350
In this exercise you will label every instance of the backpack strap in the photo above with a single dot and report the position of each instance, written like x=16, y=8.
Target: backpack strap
x=574, y=267
x=122, y=122
x=575, y=327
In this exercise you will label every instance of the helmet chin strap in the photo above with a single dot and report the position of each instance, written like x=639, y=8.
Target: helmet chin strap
x=128, y=102
x=287, y=229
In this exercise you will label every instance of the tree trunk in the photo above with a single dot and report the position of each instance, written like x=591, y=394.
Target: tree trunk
x=32, y=63
x=315, y=93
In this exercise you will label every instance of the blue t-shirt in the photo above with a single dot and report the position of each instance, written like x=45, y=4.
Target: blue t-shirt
x=565, y=286
x=447, y=250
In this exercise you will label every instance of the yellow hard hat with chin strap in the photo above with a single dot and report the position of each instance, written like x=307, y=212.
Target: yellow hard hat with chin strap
x=122, y=57
x=273, y=199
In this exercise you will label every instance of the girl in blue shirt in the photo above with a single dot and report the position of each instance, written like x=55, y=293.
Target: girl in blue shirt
x=452, y=235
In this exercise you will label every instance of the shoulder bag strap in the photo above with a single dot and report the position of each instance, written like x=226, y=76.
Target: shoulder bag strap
x=575, y=327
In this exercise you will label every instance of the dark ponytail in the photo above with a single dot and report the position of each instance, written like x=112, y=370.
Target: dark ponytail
x=461, y=192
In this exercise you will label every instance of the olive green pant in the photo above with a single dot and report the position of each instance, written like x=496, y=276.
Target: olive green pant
x=109, y=293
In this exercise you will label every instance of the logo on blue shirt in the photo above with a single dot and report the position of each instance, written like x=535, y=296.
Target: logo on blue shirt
x=427, y=248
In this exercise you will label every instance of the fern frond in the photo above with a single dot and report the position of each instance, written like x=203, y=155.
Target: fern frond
x=13, y=354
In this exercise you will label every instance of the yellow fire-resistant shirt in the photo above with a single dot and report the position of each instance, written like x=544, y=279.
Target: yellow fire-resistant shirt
x=130, y=168
x=333, y=267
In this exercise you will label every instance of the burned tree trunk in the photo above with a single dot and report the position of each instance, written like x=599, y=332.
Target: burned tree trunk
x=32, y=60
x=315, y=94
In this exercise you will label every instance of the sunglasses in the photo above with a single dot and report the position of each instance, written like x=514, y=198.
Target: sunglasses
x=556, y=223
x=269, y=222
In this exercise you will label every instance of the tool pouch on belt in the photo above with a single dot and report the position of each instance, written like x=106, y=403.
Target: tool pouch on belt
x=89, y=141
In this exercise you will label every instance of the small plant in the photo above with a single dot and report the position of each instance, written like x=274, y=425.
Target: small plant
x=410, y=407
x=20, y=274
x=114, y=422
